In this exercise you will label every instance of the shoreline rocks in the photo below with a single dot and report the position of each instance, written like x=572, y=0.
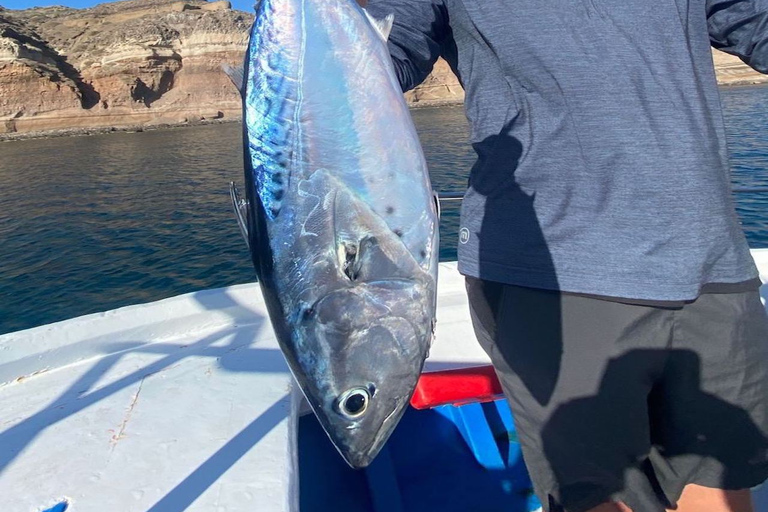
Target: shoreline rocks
x=134, y=62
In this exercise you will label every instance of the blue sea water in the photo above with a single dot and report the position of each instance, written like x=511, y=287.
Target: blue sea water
x=88, y=224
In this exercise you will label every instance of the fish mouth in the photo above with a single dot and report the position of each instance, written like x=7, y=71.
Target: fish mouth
x=363, y=458
x=360, y=461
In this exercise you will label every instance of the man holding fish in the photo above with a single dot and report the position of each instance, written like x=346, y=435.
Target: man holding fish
x=608, y=276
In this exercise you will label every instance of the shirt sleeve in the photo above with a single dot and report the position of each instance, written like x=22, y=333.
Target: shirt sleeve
x=740, y=27
x=417, y=36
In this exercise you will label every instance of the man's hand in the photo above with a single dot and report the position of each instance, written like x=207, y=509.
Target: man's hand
x=362, y=3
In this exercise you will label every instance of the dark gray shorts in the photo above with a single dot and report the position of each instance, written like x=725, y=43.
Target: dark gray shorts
x=630, y=403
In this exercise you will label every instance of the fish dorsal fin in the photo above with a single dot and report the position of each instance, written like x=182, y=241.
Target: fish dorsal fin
x=235, y=74
x=382, y=26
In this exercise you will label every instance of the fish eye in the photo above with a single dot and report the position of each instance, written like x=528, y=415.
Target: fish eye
x=354, y=402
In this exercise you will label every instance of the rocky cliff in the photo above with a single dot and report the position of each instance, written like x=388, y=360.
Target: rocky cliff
x=732, y=71
x=127, y=63
x=145, y=62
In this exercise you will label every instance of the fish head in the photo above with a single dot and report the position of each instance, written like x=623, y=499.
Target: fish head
x=373, y=358
x=369, y=332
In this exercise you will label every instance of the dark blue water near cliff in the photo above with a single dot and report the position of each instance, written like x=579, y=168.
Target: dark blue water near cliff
x=93, y=223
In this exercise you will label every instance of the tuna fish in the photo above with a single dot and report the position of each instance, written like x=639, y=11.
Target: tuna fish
x=339, y=216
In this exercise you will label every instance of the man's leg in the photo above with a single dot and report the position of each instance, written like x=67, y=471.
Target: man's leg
x=631, y=403
x=696, y=498
x=710, y=412
x=612, y=507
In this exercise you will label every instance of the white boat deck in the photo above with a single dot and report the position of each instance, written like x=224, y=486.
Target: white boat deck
x=182, y=404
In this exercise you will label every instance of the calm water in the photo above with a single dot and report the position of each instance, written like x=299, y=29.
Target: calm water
x=93, y=223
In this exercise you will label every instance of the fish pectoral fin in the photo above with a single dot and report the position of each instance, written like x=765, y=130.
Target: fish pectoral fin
x=367, y=248
x=241, y=211
x=236, y=74
x=383, y=26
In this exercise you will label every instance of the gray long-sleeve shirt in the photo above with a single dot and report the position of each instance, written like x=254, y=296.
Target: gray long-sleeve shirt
x=602, y=165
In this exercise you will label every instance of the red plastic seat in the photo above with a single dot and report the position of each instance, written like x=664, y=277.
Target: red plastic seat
x=456, y=387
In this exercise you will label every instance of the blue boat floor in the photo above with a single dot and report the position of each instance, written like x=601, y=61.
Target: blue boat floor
x=426, y=465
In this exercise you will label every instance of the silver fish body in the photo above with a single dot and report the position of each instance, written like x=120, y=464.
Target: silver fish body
x=341, y=223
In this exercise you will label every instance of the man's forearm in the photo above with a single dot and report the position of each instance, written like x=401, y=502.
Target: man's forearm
x=417, y=35
x=740, y=29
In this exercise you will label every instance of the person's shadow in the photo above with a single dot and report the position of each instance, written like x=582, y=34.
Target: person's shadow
x=510, y=236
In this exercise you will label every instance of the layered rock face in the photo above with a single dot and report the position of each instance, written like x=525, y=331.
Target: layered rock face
x=732, y=71
x=33, y=76
x=144, y=62
x=127, y=63
x=440, y=88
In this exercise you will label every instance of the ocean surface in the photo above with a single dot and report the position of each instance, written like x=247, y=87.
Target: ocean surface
x=93, y=223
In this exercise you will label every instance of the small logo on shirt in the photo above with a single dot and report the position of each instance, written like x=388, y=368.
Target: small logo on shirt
x=463, y=235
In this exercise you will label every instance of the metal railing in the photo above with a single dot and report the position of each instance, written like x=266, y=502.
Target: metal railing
x=742, y=190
